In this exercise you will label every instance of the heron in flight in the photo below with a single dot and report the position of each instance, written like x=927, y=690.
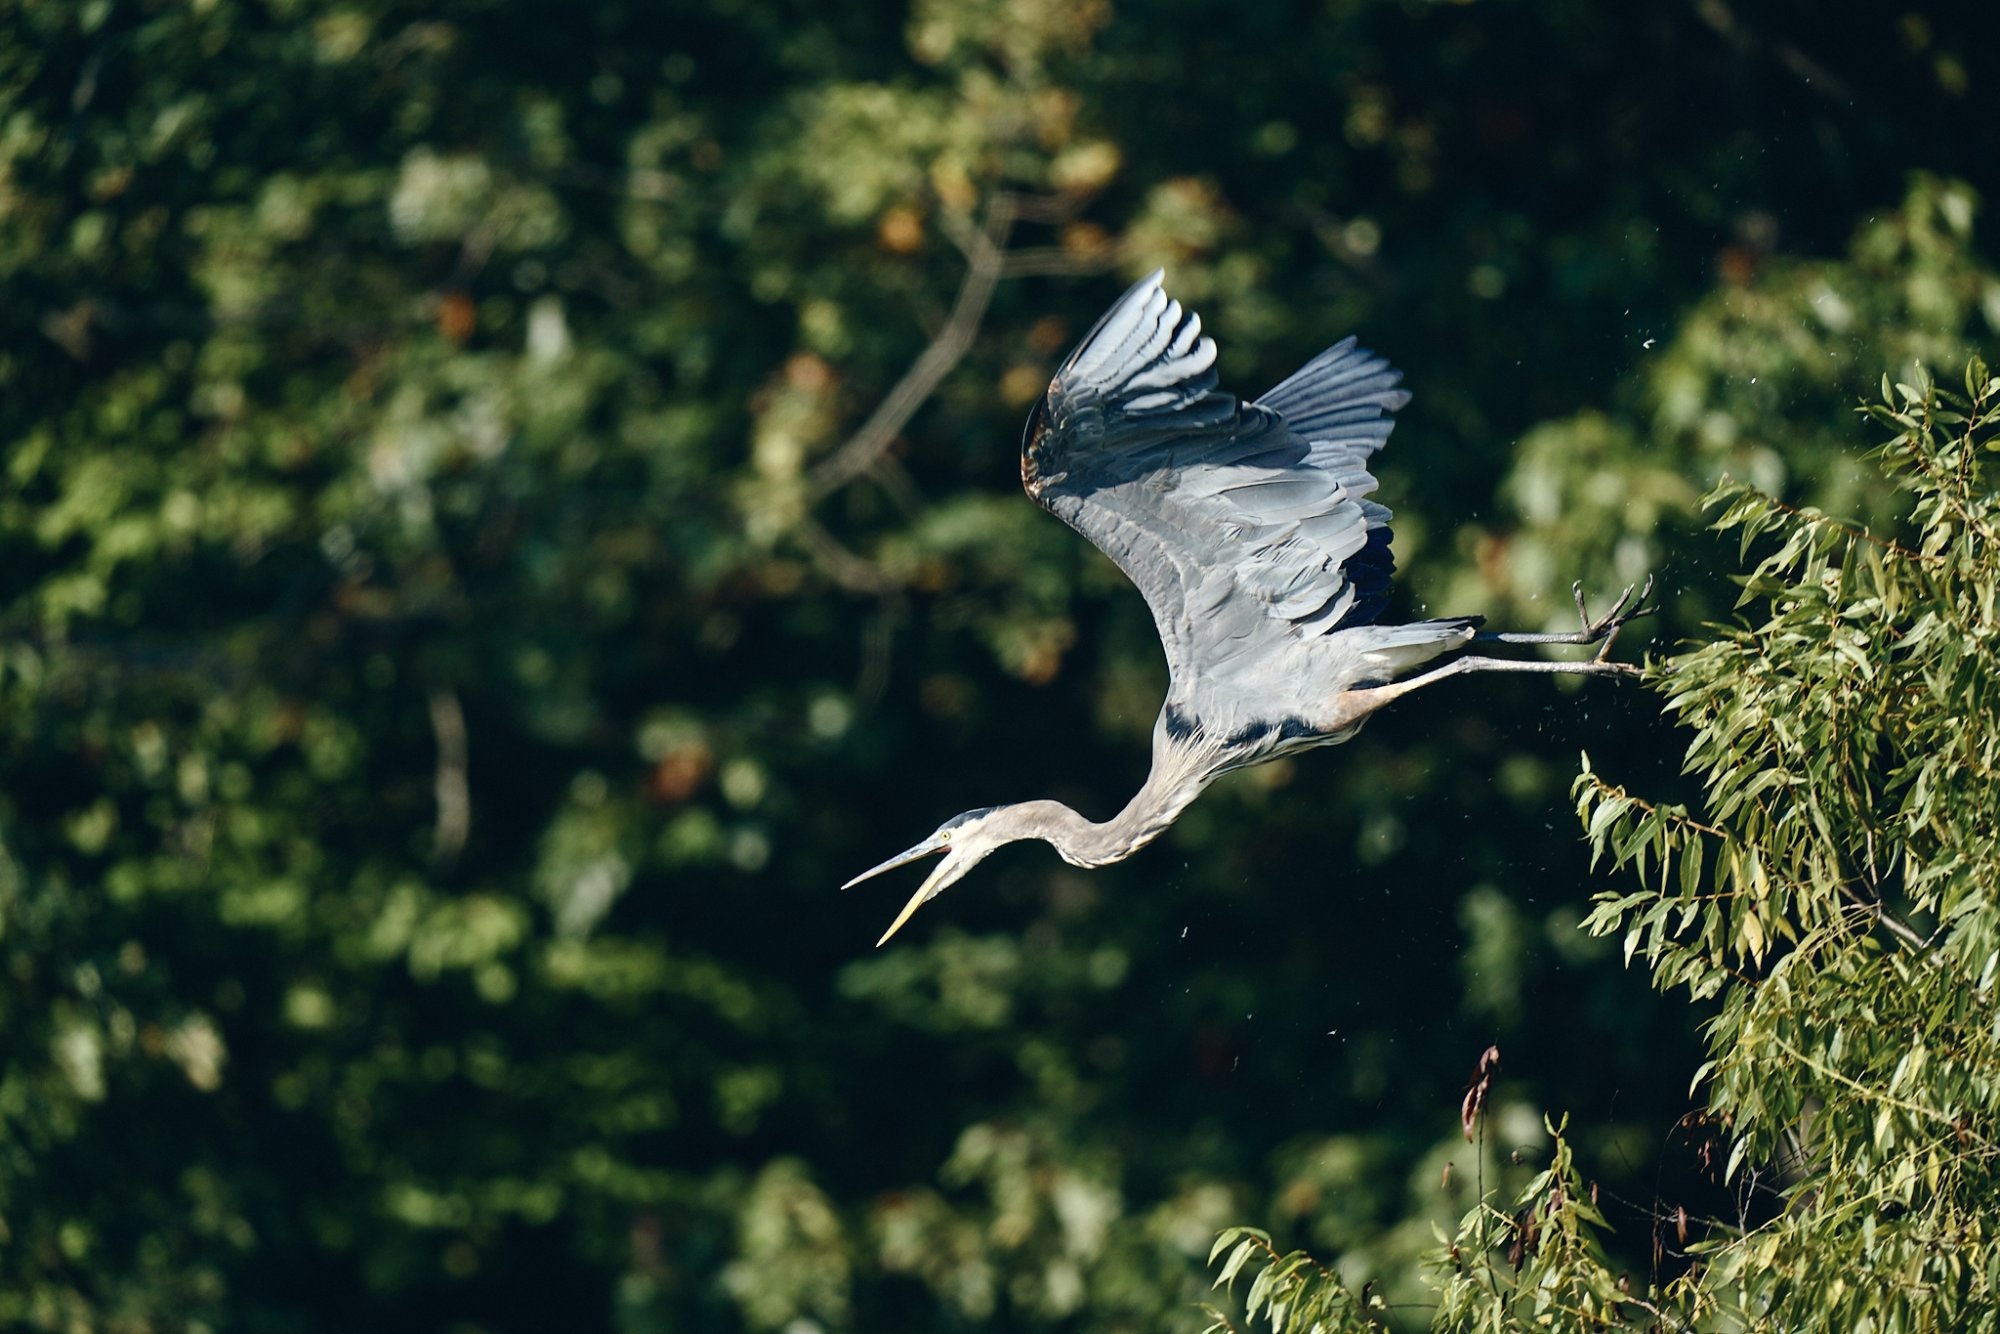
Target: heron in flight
x=1249, y=529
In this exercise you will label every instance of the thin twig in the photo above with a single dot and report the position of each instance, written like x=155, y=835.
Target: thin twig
x=1887, y=544
x=1053, y=261
x=454, y=794
x=1827, y=1072
x=1873, y=906
x=1686, y=821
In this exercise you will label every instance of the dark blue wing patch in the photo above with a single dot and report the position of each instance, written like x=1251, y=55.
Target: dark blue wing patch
x=1368, y=572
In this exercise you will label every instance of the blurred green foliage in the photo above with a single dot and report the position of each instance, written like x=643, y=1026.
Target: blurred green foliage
x=458, y=623
x=1834, y=896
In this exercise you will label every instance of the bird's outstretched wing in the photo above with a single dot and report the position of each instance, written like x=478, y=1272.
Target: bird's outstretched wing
x=1236, y=521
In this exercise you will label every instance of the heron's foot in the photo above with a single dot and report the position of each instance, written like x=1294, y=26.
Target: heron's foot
x=1604, y=630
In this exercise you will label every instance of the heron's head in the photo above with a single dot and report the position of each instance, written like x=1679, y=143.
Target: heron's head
x=965, y=840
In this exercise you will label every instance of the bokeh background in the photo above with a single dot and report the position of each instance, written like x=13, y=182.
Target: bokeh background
x=505, y=506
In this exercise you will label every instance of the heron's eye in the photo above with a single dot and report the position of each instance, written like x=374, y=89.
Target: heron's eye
x=947, y=835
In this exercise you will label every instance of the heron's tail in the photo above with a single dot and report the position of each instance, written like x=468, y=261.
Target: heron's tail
x=1394, y=650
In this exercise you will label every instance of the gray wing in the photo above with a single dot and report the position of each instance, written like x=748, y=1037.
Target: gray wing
x=1238, y=522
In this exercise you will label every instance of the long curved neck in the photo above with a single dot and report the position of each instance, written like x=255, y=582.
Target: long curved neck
x=1082, y=842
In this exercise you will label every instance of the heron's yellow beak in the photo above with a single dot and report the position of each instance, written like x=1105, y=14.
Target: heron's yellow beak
x=934, y=843
x=925, y=893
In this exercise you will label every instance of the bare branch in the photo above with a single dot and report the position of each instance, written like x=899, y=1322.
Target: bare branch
x=854, y=573
x=1051, y=209
x=1894, y=925
x=984, y=261
x=1054, y=261
x=454, y=794
x=1718, y=15
x=987, y=261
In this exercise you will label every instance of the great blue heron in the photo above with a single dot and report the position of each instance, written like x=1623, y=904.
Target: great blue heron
x=1248, y=528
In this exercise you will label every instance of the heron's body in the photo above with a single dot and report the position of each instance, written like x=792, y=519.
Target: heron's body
x=1250, y=530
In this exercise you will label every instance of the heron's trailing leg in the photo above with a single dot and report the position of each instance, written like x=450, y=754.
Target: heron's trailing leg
x=1350, y=707
x=1601, y=631
x=1358, y=704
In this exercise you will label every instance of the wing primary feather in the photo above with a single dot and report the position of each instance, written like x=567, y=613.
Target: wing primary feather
x=1342, y=388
